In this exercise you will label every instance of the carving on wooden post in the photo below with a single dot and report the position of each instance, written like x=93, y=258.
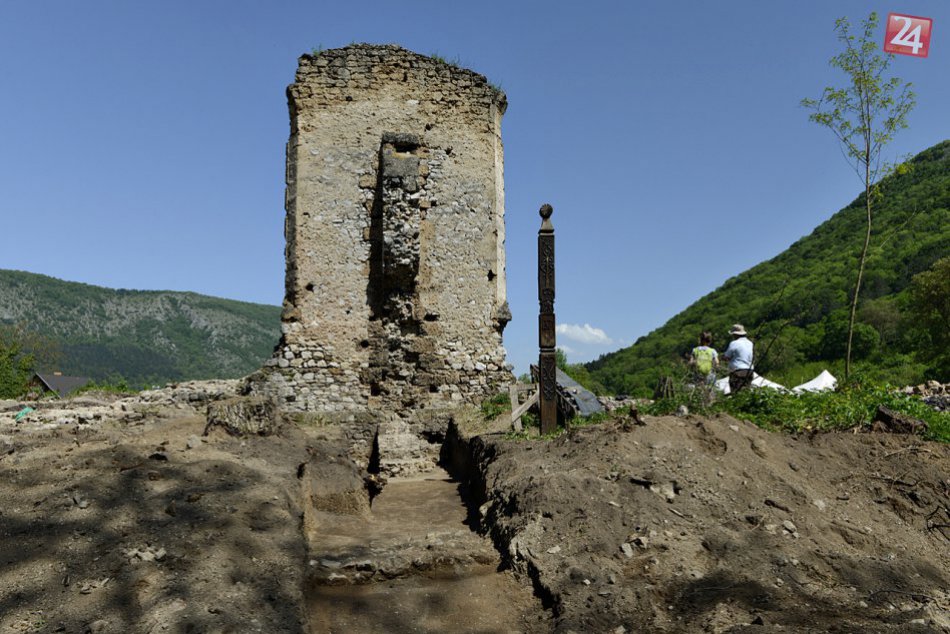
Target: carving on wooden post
x=547, y=364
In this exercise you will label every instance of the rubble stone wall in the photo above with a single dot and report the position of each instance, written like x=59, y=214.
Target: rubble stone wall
x=395, y=285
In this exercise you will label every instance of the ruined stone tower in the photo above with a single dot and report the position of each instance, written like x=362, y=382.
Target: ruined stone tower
x=395, y=287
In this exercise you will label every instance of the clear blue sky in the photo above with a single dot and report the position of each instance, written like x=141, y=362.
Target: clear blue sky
x=142, y=144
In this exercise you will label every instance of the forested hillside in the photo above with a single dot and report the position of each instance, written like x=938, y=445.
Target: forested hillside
x=795, y=305
x=144, y=337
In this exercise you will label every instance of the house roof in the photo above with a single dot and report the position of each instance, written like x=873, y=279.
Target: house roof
x=585, y=400
x=62, y=385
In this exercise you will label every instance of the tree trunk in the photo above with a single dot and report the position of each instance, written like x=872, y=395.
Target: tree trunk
x=864, y=255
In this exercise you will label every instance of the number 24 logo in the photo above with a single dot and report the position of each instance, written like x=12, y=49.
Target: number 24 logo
x=907, y=35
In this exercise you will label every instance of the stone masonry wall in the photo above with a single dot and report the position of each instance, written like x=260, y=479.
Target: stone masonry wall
x=395, y=286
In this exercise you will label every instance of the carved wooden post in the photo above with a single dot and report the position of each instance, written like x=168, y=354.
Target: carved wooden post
x=547, y=365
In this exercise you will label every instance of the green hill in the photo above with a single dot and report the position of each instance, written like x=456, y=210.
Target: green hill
x=795, y=304
x=145, y=337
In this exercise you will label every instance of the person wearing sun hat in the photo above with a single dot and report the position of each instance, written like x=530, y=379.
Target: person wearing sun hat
x=739, y=356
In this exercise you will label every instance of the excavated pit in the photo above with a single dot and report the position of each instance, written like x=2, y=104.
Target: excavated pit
x=408, y=558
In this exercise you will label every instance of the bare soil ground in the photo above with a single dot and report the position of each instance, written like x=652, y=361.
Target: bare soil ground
x=134, y=522
x=714, y=525
x=146, y=527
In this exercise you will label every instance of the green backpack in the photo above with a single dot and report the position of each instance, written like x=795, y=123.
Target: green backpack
x=704, y=359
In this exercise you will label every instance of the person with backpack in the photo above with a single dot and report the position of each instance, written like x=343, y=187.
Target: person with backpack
x=704, y=359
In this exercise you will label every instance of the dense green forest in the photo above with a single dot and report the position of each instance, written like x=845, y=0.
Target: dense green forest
x=795, y=305
x=144, y=337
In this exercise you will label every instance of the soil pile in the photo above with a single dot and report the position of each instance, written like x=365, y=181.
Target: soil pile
x=714, y=525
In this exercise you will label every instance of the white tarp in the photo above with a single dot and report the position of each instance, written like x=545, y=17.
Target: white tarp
x=821, y=383
x=757, y=381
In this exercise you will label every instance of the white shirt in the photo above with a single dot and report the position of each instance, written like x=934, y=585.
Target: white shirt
x=739, y=354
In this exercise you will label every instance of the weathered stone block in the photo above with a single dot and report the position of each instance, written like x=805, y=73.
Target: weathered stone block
x=244, y=416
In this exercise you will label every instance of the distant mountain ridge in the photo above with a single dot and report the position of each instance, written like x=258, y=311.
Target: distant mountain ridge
x=796, y=303
x=145, y=337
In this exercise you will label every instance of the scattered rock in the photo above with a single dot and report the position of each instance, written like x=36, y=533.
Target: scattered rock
x=98, y=627
x=87, y=587
x=667, y=490
x=146, y=553
x=777, y=505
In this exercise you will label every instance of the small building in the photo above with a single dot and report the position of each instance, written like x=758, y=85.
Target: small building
x=43, y=384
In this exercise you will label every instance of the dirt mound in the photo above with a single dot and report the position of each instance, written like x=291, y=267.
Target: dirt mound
x=714, y=525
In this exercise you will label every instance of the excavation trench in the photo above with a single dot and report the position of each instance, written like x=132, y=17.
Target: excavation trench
x=409, y=559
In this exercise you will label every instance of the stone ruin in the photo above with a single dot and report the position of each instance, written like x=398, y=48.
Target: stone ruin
x=395, y=284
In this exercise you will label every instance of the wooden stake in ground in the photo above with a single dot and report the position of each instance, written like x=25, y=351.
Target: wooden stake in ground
x=547, y=341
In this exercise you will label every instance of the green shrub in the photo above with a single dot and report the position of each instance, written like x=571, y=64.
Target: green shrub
x=455, y=61
x=495, y=406
x=853, y=404
x=114, y=385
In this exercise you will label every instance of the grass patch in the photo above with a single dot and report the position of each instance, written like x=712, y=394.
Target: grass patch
x=455, y=62
x=852, y=405
x=531, y=426
x=118, y=386
x=495, y=406
x=586, y=421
